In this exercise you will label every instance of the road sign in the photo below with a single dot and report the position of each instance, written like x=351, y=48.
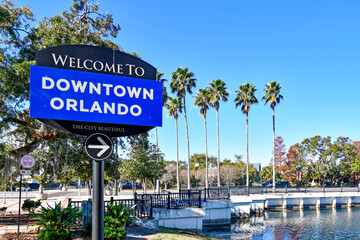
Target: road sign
x=98, y=146
x=91, y=97
x=85, y=107
x=25, y=172
x=95, y=106
x=27, y=161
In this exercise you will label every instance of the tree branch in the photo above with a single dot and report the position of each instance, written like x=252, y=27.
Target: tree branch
x=14, y=120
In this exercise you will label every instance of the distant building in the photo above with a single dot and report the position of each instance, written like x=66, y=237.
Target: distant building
x=257, y=166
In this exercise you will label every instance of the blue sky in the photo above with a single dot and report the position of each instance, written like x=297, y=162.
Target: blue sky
x=311, y=47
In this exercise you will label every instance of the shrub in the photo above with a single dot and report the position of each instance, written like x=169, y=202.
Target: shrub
x=115, y=220
x=30, y=205
x=3, y=210
x=113, y=229
x=55, y=222
x=120, y=212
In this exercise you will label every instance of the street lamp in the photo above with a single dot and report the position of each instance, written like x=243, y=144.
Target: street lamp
x=298, y=174
x=196, y=174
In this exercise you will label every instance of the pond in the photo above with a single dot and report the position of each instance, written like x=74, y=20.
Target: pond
x=294, y=224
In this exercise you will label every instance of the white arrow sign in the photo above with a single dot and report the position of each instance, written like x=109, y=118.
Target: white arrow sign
x=104, y=146
x=98, y=146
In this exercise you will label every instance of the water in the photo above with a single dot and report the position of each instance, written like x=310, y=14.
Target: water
x=294, y=224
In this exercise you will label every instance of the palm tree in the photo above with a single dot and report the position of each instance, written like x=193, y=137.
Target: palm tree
x=245, y=97
x=218, y=92
x=165, y=97
x=273, y=96
x=182, y=81
x=202, y=100
x=174, y=106
x=159, y=77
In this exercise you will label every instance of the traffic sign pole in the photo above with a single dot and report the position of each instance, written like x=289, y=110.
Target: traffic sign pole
x=26, y=161
x=18, y=231
x=98, y=201
x=98, y=147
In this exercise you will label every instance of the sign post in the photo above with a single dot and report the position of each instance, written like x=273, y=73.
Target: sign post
x=26, y=161
x=98, y=147
x=96, y=92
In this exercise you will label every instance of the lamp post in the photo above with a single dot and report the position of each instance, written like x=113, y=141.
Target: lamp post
x=298, y=174
x=196, y=173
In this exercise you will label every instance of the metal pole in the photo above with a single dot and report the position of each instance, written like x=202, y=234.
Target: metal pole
x=18, y=231
x=117, y=157
x=98, y=201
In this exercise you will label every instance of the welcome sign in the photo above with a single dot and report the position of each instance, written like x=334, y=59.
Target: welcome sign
x=86, y=89
x=90, y=97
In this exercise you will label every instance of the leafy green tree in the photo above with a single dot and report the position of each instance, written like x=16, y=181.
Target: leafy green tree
x=174, y=106
x=341, y=153
x=245, y=97
x=182, y=82
x=327, y=162
x=313, y=158
x=266, y=173
x=143, y=160
x=273, y=97
x=200, y=158
x=202, y=100
x=242, y=170
x=112, y=170
x=218, y=93
x=20, y=39
x=355, y=162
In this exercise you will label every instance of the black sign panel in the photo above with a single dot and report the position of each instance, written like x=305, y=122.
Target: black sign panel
x=96, y=60
x=98, y=146
x=88, y=128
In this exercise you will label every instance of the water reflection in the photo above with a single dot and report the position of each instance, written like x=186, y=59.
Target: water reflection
x=294, y=224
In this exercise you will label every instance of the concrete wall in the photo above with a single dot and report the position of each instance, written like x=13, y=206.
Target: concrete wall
x=217, y=213
x=212, y=213
x=182, y=218
x=243, y=206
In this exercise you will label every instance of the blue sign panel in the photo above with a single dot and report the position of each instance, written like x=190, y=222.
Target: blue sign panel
x=92, y=97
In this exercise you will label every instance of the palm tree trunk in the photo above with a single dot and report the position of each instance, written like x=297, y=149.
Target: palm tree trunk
x=188, y=145
x=156, y=184
x=274, y=151
x=247, y=153
x=218, y=143
x=177, y=155
x=206, y=156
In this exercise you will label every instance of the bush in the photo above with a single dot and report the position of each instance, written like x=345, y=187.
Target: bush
x=117, y=217
x=120, y=212
x=55, y=222
x=50, y=233
x=30, y=205
x=115, y=220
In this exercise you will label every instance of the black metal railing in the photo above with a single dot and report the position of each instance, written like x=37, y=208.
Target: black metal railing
x=140, y=208
x=183, y=198
x=217, y=193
